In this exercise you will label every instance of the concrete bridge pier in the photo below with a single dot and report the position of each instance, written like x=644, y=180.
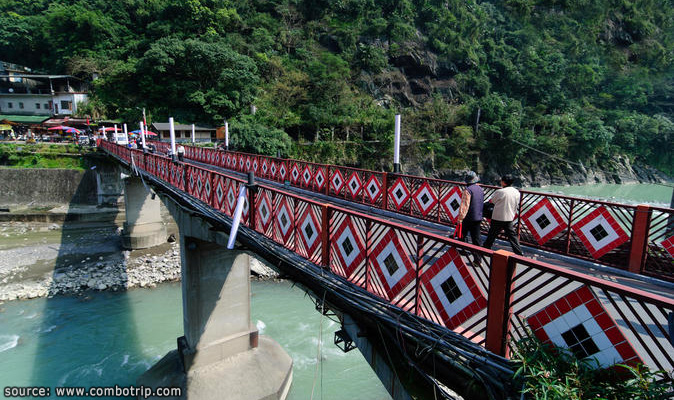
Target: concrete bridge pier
x=221, y=355
x=143, y=227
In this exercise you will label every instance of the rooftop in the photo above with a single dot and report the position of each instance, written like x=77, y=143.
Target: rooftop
x=164, y=126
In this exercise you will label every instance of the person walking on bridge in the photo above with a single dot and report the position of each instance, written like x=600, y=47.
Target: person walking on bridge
x=181, y=152
x=470, y=212
x=506, y=202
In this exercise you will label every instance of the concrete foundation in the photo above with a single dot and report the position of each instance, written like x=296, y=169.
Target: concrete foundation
x=143, y=227
x=221, y=355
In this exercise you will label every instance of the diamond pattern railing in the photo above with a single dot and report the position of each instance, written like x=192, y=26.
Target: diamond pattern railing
x=490, y=298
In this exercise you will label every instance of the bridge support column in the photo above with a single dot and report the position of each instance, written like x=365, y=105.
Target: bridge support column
x=143, y=227
x=221, y=355
x=223, y=352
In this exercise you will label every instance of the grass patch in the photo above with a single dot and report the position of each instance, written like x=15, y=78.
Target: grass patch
x=43, y=155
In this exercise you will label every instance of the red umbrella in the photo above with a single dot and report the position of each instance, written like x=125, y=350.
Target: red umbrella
x=109, y=128
x=66, y=129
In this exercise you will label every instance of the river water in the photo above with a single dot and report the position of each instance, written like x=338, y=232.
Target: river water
x=632, y=193
x=105, y=339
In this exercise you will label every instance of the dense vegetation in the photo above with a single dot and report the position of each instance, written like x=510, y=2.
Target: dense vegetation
x=578, y=79
x=554, y=373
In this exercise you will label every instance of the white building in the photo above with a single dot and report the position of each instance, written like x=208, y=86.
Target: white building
x=25, y=93
x=183, y=132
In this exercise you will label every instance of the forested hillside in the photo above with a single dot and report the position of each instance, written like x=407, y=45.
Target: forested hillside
x=505, y=80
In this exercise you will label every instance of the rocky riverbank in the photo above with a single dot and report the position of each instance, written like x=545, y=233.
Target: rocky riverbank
x=40, y=260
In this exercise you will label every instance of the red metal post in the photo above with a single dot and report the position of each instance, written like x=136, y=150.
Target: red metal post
x=252, y=209
x=519, y=216
x=325, y=235
x=327, y=183
x=568, y=227
x=640, y=228
x=419, y=265
x=384, y=185
x=211, y=196
x=368, y=226
x=498, y=304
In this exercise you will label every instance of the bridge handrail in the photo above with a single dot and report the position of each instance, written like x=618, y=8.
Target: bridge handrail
x=642, y=248
x=507, y=289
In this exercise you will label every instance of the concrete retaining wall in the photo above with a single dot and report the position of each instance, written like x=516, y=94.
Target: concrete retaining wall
x=47, y=186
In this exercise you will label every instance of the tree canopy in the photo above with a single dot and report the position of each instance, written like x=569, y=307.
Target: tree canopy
x=581, y=79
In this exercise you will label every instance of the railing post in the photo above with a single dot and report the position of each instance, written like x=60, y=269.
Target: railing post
x=519, y=216
x=325, y=235
x=384, y=185
x=418, y=266
x=498, y=304
x=327, y=183
x=252, y=190
x=211, y=179
x=568, y=227
x=640, y=228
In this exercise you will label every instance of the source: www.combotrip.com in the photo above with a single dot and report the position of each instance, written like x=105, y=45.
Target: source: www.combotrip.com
x=111, y=391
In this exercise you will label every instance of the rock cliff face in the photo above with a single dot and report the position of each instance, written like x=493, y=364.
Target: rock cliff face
x=418, y=75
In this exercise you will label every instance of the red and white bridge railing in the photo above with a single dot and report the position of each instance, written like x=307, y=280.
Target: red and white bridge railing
x=491, y=298
x=639, y=239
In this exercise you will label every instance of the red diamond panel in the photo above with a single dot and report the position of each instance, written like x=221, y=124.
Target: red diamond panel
x=284, y=223
x=373, y=189
x=544, y=221
x=600, y=232
x=283, y=170
x=579, y=322
x=354, y=185
x=232, y=194
x=220, y=197
x=319, y=178
x=205, y=178
x=265, y=167
x=399, y=193
x=454, y=291
x=309, y=232
x=264, y=211
x=392, y=264
x=348, y=246
x=425, y=198
x=337, y=181
x=306, y=176
x=295, y=174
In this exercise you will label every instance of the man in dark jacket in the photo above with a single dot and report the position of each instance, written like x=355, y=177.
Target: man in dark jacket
x=470, y=212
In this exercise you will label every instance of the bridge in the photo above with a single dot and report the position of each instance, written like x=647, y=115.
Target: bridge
x=428, y=312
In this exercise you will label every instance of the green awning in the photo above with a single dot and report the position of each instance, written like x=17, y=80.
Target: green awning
x=24, y=119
